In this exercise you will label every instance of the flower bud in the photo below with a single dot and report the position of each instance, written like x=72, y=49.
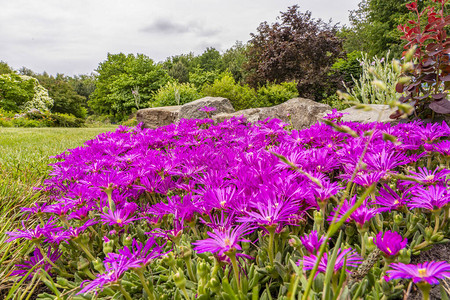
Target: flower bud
x=202, y=269
x=82, y=263
x=318, y=217
x=214, y=285
x=127, y=240
x=185, y=252
x=169, y=259
x=370, y=245
x=404, y=256
x=179, y=279
x=428, y=233
x=98, y=265
x=350, y=231
x=108, y=246
x=398, y=219
x=435, y=238
x=294, y=241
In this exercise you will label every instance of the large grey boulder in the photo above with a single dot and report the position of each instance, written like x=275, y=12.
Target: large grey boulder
x=252, y=115
x=158, y=116
x=377, y=113
x=300, y=112
x=192, y=110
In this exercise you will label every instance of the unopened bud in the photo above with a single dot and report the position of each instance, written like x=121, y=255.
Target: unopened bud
x=179, y=279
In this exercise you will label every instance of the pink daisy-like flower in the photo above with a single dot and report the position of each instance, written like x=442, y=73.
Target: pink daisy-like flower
x=312, y=242
x=390, y=243
x=222, y=241
x=353, y=260
x=428, y=272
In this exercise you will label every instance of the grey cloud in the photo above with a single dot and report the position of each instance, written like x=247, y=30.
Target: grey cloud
x=167, y=26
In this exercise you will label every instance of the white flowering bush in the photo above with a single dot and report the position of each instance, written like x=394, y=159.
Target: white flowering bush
x=41, y=99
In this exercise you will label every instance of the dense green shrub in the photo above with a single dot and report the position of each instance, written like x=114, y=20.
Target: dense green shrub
x=349, y=68
x=241, y=96
x=39, y=119
x=174, y=93
x=274, y=94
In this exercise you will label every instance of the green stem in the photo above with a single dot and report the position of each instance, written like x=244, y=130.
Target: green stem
x=124, y=293
x=140, y=273
x=189, y=269
x=185, y=293
x=437, y=219
x=270, y=248
x=232, y=257
x=86, y=250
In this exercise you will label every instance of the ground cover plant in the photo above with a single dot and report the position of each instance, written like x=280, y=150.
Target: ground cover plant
x=24, y=164
x=238, y=210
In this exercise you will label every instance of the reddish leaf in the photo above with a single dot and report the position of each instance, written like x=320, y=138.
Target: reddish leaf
x=396, y=115
x=441, y=107
x=445, y=78
x=439, y=96
x=399, y=87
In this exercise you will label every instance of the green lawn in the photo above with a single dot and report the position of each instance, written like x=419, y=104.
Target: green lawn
x=24, y=159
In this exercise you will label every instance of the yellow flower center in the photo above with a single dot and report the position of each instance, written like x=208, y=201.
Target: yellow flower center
x=227, y=242
x=119, y=221
x=222, y=203
x=422, y=272
x=429, y=177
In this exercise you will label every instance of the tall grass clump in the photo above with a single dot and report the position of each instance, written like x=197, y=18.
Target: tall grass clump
x=376, y=72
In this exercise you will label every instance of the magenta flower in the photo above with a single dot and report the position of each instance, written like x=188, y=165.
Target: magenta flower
x=390, y=200
x=119, y=217
x=428, y=272
x=34, y=234
x=433, y=198
x=334, y=115
x=115, y=268
x=270, y=211
x=36, y=259
x=390, y=243
x=207, y=109
x=140, y=253
x=223, y=241
x=360, y=216
x=430, y=177
x=353, y=260
x=312, y=242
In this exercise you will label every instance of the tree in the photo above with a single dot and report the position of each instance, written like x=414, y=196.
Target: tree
x=4, y=68
x=298, y=48
x=210, y=60
x=66, y=100
x=15, y=91
x=118, y=76
x=374, y=27
x=234, y=59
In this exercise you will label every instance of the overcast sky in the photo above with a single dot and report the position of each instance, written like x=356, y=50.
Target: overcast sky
x=74, y=36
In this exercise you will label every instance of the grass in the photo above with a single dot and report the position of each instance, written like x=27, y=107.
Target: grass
x=24, y=159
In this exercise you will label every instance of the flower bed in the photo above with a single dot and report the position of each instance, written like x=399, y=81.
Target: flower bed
x=236, y=211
